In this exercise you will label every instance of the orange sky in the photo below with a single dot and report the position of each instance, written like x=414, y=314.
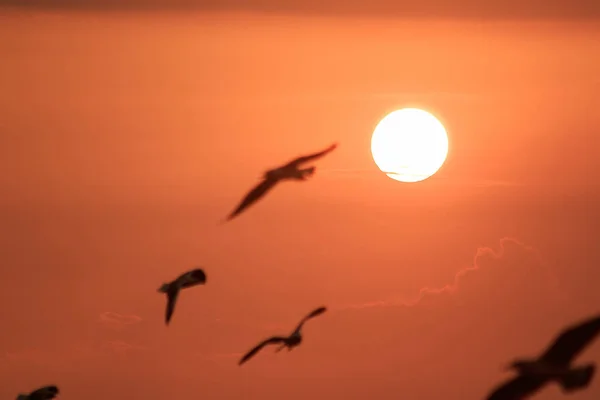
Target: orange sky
x=127, y=137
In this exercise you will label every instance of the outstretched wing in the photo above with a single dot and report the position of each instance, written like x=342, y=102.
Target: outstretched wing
x=251, y=353
x=303, y=159
x=260, y=190
x=571, y=342
x=192, y=278
x=517, y=388
x=45, y=393
x=312, y=314
x=172, y=295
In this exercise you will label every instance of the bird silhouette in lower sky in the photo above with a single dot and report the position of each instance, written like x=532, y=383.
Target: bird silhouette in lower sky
x=554, y=365
x=191, y=278
x=290, y=341
x=289, y=171
x=44, y=393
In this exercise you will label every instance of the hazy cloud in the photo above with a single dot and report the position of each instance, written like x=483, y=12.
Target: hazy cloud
x=529, y=262
x=64, y=356
x=117, y=321
x=33, y=356
x=119, y=346
x=222, y=358
x=447, y=181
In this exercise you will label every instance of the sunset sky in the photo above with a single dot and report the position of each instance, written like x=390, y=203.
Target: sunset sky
x=128, y=131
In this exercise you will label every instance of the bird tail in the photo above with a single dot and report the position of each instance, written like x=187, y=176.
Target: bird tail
x=164, y=288
x=22, y=397
x=577, y=378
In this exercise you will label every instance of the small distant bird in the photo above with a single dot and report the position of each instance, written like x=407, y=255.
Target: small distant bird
x=44, y=393
x=289, y=171
x=186, y=280
x=290, y=342
x=554, y=365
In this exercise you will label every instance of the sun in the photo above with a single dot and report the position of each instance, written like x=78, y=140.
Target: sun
x=409, y=145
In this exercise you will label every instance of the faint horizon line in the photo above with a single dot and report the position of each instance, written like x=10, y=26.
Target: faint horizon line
x=445, y=181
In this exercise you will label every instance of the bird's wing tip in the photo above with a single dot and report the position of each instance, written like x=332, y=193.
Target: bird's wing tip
x=223, y=221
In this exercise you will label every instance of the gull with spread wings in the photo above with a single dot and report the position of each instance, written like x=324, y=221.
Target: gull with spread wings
x=554, y=365
x=290, y=342
x=44, y=393
x=186, y=280
x=289, y=171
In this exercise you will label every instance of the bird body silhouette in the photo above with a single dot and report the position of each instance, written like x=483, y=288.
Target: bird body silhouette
x=44, y=393
x=171, y=289
x=554, y=365
x=289, y=171
x=291, y=341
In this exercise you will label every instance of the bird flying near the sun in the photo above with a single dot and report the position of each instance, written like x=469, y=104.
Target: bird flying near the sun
x=289, y=171
x=44, y=393
x=554, y=365
x=290, y=341
x=186, y=280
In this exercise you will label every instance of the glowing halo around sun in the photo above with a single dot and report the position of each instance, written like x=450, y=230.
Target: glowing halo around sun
x=409, y=145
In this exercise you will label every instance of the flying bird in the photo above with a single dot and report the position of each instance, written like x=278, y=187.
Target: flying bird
x=554, y=365
x=289, y=171
x=44, y=393
x=290, y=342
x=186, y=280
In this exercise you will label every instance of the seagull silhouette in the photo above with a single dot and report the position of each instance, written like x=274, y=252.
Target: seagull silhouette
x=289, y=171
x=290, y=342
x=554, y=365
x=186, y=280
x=44, y=393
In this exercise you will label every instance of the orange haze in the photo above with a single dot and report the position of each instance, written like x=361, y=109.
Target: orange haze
x=125, y=138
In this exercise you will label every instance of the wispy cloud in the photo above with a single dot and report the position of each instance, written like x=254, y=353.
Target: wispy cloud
x=119, y=346
x=116, y=321
x=481, y=254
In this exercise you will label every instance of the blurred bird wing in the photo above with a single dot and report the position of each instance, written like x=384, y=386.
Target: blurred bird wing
x=571, y=342
x=310, y=157
x=251, y=353
x=45, y=393
x=192, y=278
x=312, y=314
x=172, y=295
x=198, y=275
x=517, y=388
x=259, y=190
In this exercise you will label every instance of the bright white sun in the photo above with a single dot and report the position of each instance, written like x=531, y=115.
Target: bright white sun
x=409, y=145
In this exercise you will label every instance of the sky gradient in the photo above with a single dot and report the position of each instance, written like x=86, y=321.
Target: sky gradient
x=127, y=137
x=458, y=9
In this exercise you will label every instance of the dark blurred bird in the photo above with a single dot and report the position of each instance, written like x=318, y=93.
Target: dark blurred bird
x=186, y=280
x=289, y=171
x=554, y=365
x=44, y=393
x=290, y=342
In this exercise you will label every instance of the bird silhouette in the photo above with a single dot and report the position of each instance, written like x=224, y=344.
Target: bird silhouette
x=44, y=393
x=554, y=365
x=290, y=341
x=289, y=171
x=186, y=280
